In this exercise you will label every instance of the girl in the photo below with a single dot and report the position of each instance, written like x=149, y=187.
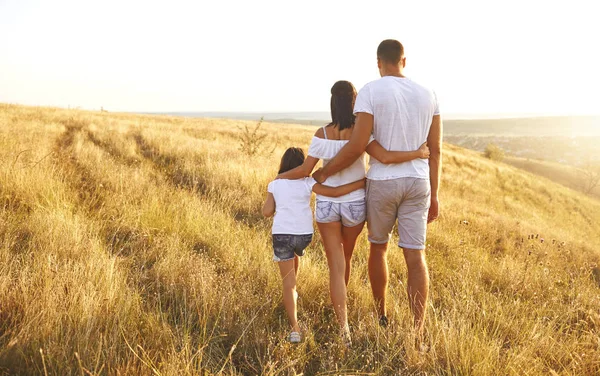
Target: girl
x=341, y=219
x=292, y=230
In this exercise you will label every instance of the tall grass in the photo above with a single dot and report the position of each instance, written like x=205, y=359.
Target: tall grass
x=132, y=244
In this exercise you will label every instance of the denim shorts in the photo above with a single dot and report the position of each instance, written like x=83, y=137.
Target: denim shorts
x=286, y=246
x=349, y=213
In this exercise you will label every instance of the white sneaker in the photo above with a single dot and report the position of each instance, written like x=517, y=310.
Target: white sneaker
x=295, y=337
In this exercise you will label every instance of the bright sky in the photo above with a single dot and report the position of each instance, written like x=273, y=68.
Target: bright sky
x=482, y=57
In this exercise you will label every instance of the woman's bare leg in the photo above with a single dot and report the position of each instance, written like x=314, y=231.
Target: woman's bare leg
x=331, y=235
x=349, y=237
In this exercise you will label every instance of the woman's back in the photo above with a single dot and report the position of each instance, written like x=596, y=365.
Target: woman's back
x=325, y=145
x=332, y=132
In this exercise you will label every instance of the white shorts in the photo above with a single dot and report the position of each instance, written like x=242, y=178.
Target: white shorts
x=405, y=200
x=351, y=213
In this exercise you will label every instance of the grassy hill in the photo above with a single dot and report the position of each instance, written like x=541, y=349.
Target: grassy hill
x=563, y=174
x=543, y=126
x=132, y=244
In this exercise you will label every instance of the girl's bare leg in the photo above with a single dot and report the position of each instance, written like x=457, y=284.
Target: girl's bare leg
x=288, y=274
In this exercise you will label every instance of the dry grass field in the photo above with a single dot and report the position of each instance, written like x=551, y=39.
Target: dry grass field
x=133, y=245
x=566, y=175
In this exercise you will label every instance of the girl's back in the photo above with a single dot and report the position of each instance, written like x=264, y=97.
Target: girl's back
x=292, y=199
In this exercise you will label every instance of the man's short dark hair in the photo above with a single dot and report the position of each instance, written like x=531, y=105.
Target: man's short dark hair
x=390, y=51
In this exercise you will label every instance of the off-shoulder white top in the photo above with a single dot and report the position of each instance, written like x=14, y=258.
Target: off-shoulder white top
x=326, y=149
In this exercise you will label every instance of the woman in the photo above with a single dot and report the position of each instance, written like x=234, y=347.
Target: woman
x=340, y=220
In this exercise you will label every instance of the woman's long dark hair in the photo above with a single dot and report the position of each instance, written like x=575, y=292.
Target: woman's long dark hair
x=343, y=95
x=292, y=158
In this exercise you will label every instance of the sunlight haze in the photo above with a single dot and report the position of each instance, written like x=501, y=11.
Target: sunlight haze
x=511, y=57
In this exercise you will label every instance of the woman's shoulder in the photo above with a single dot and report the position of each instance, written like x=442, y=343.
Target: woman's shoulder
x=333, y=135
x=320, y=133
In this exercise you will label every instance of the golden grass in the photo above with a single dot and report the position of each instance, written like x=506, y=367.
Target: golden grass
x=566, y=175
x=132, y=244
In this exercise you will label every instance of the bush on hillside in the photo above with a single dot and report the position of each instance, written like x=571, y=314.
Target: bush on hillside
x=589, y=177
x=494, y=153
x=254, y=141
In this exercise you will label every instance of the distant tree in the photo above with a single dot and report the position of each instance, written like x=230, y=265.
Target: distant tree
x=494, y=153
x=254, y=141
x=589, y=177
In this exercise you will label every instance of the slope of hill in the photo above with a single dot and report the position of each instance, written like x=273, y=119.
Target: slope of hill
x=549, y=126
x=132, y=244
x=568, y=176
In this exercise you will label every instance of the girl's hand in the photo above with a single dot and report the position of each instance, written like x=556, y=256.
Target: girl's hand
x=424, y=151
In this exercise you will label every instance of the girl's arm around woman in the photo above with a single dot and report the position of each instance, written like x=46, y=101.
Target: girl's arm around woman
x=325, y=190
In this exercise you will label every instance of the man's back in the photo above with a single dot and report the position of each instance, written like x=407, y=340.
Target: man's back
x=402, y=112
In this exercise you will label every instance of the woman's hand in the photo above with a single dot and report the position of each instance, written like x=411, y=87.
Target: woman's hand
x=424, y=151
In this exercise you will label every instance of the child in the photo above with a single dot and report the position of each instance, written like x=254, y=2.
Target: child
x=292, y=230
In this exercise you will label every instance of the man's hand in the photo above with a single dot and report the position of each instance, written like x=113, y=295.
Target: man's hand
x=434, y=210
x=319, y=176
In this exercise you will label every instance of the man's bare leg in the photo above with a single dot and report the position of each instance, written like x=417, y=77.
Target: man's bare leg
x=417, y=286
x=378, y=275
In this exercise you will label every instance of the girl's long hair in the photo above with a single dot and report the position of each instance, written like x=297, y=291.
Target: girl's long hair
x=343, y=95
x=292, y=158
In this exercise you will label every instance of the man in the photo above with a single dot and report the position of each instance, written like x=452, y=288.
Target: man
x=401, y=115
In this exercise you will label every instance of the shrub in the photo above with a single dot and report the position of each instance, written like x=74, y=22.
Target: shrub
x=253, y=141
x=589, y=177
x=494, y=153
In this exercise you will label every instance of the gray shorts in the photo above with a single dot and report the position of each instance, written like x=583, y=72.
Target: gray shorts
x=285, y=247
x=350, y=213
x=406, y=200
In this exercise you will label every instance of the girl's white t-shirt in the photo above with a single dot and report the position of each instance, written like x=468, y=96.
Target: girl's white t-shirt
x=293, y=215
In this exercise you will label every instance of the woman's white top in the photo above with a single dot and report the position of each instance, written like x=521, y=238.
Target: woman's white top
x=293, y=215
x=326, y=149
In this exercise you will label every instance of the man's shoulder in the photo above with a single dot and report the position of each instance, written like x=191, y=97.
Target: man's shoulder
x=384, y=83
x=420, y=86
x=373, y=83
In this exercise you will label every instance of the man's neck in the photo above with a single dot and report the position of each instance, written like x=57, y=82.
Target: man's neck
x=394, y=74
x=392, y=70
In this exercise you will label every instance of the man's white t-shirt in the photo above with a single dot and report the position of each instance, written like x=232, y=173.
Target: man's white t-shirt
x=402, y=112
x=293, y=215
